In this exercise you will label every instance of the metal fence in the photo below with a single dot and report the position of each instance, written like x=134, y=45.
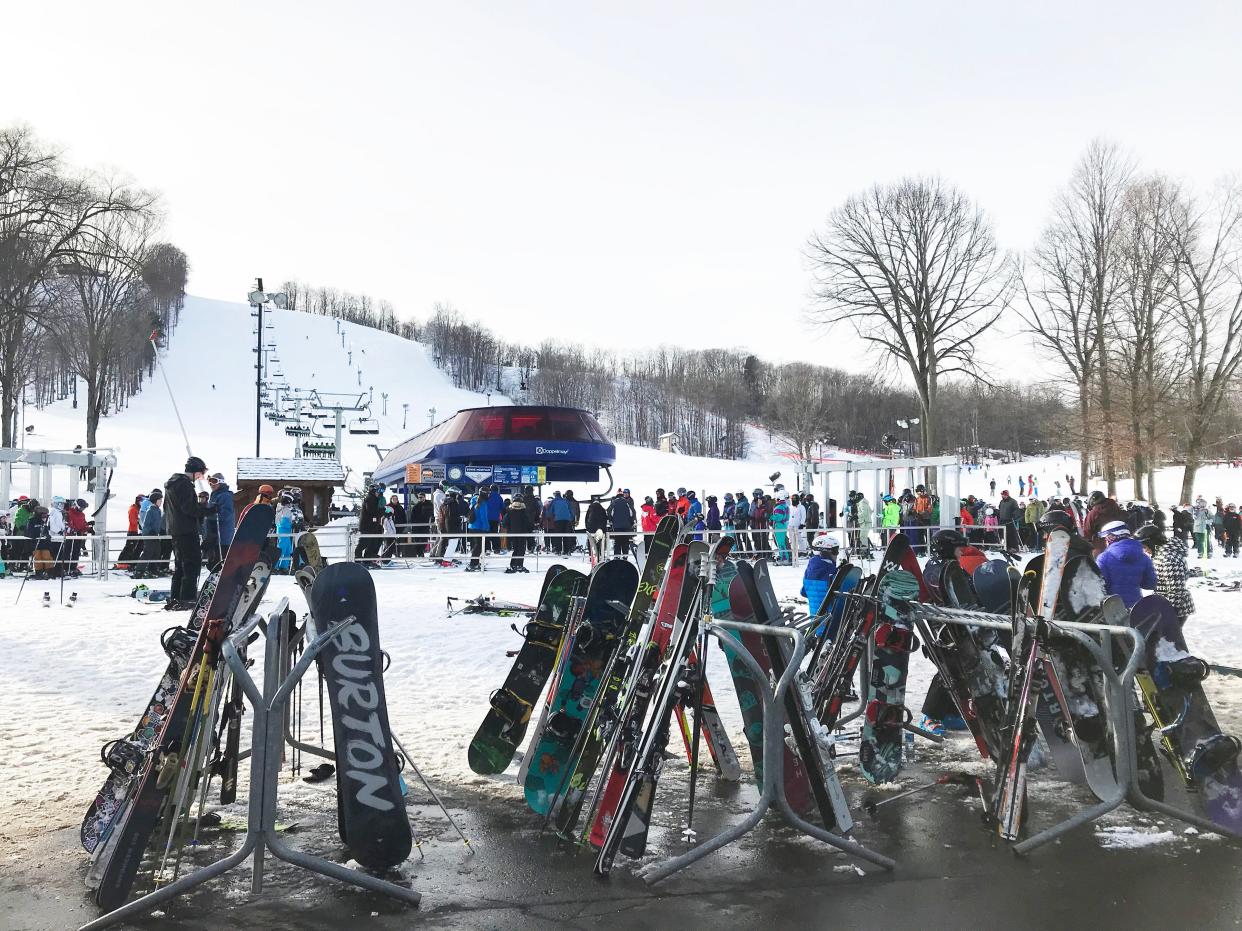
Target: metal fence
x=414, y=545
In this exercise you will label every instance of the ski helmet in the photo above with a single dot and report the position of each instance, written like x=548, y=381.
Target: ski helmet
x=1095, y=498
x=946, y=542
x=828, y=543
x=1152, y=535
x=1055, y=518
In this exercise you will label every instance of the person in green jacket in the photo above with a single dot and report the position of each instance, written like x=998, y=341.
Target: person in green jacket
x=891, y=518
x=865, y=523
x=1030, y=521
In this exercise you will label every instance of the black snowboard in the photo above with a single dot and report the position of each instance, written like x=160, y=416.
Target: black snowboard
x=370, y=807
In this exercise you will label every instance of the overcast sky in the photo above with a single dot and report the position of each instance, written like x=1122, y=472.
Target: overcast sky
x=622, y=177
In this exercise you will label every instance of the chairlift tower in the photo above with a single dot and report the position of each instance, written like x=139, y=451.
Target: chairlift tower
x=339, y=405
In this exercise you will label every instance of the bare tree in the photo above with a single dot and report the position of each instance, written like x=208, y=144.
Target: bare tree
x=1208, y=246
x=44, y=215
x=104, y=308
x=1145, y=361
x=914, y=268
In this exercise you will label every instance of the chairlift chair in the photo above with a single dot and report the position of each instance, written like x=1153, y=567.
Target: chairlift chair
x=367, y=426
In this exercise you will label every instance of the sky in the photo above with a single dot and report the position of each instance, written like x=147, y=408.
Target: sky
x=623, y=175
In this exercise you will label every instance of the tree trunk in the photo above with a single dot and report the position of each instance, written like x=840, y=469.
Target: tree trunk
x=1194, y=442
x=1084, y=415
x=8, y=414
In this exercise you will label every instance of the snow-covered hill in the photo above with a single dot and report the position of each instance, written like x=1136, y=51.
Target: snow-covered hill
x=209, y=362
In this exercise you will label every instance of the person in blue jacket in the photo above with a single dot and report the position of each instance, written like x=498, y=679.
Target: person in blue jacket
x=821, y=568
x=220, y=522
x=495, y=508
x=1125, y=565
x=562, y=523
x=694, y=509
x=478, y=526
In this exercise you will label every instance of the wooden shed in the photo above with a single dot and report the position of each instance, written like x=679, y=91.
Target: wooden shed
x=318, y=479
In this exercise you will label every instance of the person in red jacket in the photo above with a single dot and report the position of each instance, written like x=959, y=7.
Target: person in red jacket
x=132, y=547
x=75, y=526
x=1101, y=511
x=649, y=519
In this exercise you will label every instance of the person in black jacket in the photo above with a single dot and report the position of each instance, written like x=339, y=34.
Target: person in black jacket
x=621, y=516
x=517, y=523
x=370, y=526
x=422, y=517
x=812, y=518
x=184, y=515
x=1183, y=522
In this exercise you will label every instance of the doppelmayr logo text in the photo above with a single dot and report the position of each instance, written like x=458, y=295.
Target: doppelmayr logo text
x=544, y=451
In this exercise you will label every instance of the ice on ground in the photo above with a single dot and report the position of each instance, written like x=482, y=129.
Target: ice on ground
x=1118, y=837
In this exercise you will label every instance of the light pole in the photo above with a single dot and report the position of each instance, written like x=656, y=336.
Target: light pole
x=431, y=417
x=258, y=300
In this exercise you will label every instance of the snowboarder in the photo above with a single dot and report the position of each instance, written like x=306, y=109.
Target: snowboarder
x=1169, y=559
x=183, y=515
x=517, y=523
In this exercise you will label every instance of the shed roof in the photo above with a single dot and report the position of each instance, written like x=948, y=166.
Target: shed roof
x=286, y=470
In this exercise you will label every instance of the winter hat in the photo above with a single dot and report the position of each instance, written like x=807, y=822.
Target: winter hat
x=155, y=495
x=194, y=464
x=1114, y=528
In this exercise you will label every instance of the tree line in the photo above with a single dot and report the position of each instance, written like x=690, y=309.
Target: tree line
x=1133, y=294
x=84, y=283
x=1133, y=291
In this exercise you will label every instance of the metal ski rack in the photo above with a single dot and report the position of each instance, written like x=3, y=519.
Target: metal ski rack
x=773, y=757
x=1118, y=698
x=267, y=740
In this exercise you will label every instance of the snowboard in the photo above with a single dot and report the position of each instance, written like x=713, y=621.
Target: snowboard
x=812, y=740
x=893, y=640
x=502, y=730
x=371, y=811
x=1204, y=757
x=638, y=695
x=601, y=717
x=1079, y=677
x=634, y=841
x=141, y=812
x=971, y=671
x=610, y=590
x=648, y=754
x=744, y=608
x=307, y=553
x=993, y=587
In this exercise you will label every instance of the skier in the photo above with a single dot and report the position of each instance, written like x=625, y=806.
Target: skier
x=1231, y=523
x=1183, y=523
x=1007, y=515
x=760, y=515
x=821, y=568
x=477, y=528
x=741, y=520
x=183, y=515
x=621, y=518
x=596, y=526
x=422, y=516
x=1126, y=567
x=56, y=526
x=865, y=520
x=1202, y=528
x=726, y=513
x=813, y=515
x=660, y=504
x=780, y=530
x=650, y=520
x=221, y=516
x=1169, y=559
x=151, y=525
x=891, y=518
x=517, y=522
x=562, y=524
x=992, y=486
x=77, y=529
x=711, y=519
x=370, y=525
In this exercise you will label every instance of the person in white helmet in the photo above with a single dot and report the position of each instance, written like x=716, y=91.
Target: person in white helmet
x=821, y=568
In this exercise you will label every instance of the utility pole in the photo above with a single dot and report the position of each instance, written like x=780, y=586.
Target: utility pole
x=258, y=375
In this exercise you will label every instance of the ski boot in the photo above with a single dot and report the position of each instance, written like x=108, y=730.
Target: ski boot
x=932, y=726
x=1212, y=754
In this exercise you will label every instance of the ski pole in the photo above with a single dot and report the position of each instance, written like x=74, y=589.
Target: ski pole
x=427, y=785
x=945, y=779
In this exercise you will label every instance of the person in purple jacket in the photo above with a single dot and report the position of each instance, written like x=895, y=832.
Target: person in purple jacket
x=1125, y=565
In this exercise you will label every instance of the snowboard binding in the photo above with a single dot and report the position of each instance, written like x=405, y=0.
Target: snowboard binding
x=123, y=757
x=1212, y=754
x=1185, y=673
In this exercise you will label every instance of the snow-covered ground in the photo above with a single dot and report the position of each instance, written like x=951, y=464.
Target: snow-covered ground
x=88, y=671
